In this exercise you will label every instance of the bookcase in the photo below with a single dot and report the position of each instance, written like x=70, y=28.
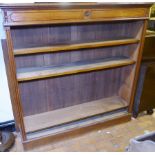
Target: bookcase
x=72, y=67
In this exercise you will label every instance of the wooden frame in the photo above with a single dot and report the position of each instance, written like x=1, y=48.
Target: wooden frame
x=22, y=20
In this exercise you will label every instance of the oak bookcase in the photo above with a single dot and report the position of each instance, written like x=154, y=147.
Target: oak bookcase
x=72, y=67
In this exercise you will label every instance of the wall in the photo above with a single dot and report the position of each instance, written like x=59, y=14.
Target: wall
x=5, y=103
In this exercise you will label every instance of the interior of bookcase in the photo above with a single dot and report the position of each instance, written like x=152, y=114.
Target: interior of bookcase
x=70, y=72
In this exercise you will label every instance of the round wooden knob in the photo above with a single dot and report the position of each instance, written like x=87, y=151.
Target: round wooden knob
x=87, y=13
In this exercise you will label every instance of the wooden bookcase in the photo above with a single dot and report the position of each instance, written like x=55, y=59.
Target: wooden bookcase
x=72, y=68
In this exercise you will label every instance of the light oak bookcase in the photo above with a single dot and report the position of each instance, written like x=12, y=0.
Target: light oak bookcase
x=72, y=68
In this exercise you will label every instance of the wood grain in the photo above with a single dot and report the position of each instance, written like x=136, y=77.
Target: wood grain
x=61, y=58
x=137, y=67
x=73, y=46
x=58, y=5
x=39, y=96
x=14, y=85
x=53, y=35
x=27, y=74
x=72, y=113
x=35, y=16
x=36, y=140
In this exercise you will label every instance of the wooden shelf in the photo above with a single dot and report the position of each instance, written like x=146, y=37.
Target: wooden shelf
x=73, y=46
x=26, y=74
x=152, y=18
x=102, y=121
x=150, y=33
x=69, y=114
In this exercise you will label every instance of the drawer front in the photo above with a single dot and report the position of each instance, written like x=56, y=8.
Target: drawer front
x=119, y=13
x=29, y=17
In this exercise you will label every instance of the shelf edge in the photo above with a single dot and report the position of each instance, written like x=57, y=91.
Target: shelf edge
x=47, y=49
x=125, y=62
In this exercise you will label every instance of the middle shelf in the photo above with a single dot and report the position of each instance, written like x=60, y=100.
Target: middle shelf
x=32, y=73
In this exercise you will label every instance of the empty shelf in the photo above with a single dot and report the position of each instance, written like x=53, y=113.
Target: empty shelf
x=73, y=113
x=73, y=46
x=25, y=74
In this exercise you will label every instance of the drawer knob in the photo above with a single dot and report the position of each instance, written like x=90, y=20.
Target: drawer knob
x=87, y=13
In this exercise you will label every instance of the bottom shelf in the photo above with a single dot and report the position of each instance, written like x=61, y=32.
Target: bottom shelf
x=76, y=128
x=65, y=115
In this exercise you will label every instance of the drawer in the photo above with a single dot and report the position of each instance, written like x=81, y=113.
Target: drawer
x=29, y=17
x=119, y=13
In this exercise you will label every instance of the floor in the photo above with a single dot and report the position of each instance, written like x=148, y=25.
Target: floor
x=114, y=138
